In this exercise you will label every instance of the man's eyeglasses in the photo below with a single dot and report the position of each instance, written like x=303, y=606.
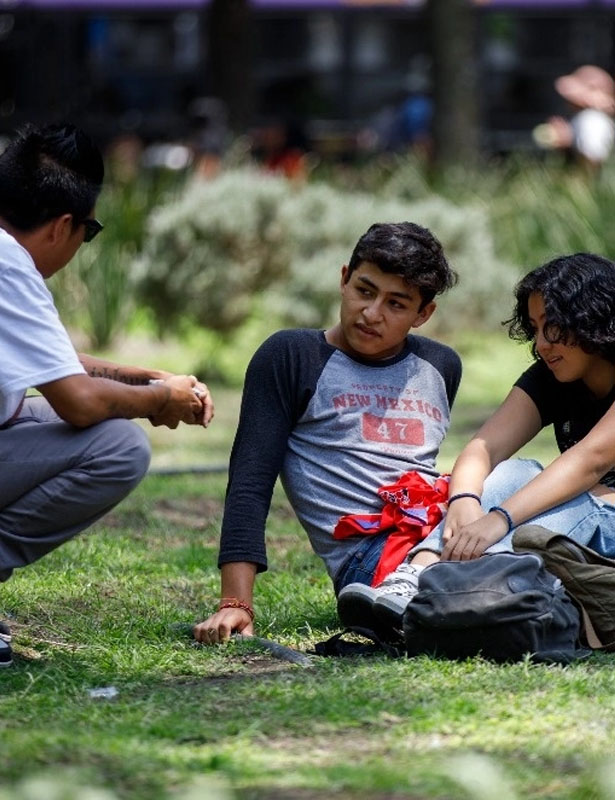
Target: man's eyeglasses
x=92, y=228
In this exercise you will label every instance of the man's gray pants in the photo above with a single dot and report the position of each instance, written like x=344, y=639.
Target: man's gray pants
x=56, y=479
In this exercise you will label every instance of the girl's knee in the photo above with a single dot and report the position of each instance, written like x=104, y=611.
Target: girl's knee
x=515, y=472
x=507, y=478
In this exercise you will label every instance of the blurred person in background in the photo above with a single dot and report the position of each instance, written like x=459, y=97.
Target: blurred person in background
x=209, y=135
x=70, y=453
x=282, y=147
x=589, y=134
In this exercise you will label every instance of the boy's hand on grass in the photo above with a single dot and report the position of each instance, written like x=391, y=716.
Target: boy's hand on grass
x=218, y=628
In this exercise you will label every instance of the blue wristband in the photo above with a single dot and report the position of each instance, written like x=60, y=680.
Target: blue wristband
x=506, y=515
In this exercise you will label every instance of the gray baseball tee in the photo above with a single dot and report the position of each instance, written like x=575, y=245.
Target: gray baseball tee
x=335, y=429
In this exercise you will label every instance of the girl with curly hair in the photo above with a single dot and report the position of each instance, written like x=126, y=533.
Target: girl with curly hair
x=566, y=310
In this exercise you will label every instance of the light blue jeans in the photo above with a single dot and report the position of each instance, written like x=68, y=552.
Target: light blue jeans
x=586, y=519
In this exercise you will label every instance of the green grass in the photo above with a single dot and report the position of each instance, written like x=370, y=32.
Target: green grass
x=99, y=612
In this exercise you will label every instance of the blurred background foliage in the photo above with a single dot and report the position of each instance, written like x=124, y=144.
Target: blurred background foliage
x=221, y=263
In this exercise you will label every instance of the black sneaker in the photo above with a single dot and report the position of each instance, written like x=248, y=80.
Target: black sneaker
x=5, y=632
x=356, y=608
x=6, y=654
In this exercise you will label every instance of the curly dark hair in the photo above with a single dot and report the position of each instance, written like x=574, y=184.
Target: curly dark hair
x=578, y=292
x=406, y=249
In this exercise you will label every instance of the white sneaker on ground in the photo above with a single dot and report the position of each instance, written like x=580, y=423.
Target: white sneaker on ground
x=6, y=654
x=394, y=594
x=359, y=605
x=5, y=632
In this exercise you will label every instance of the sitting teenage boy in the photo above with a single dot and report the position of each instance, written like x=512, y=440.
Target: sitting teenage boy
x=338, y=414
x=70, y=454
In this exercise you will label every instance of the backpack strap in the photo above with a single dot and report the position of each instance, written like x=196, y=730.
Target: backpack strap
x=336, y=645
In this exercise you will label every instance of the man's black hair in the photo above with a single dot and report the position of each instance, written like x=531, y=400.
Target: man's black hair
x=406, y=249
x=46, y=172
x=578, y=292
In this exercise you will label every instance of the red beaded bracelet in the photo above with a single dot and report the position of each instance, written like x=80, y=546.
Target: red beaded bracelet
x=233, y=602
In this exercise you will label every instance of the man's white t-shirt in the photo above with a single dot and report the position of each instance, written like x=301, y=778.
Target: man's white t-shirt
x=34, y=345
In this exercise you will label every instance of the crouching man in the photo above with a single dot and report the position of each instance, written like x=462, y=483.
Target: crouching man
x=69, y=454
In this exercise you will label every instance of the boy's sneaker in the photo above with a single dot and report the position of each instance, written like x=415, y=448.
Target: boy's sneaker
x=381, y=609
x=394, y=594
x=6, y=654
x=355, y=606
x=5, y=632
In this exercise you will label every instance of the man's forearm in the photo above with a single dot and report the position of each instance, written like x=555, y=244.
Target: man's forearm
x=131, y=375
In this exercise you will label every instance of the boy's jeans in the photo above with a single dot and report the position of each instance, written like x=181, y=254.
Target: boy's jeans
x=586, y=519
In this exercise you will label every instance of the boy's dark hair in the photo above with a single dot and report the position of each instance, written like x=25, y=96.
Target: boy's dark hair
x=406, y=249
x=578, y=292
x=46, y=172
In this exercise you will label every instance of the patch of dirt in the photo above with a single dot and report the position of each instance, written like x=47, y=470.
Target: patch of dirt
x=192, y=512
x=248, y=667
x=122, y=519
x=196, y=512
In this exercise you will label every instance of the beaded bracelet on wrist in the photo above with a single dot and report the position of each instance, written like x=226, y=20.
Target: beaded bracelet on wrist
x=506, y=516
x=459, y=496
x=233, y=602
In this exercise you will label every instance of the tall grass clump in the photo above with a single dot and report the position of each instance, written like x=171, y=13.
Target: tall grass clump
x=96, y=293
x=544, y=211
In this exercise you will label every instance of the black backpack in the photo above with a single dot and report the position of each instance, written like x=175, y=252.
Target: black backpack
x=502, y=606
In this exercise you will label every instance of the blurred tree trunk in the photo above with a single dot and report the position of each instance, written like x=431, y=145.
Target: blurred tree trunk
x=452, y=26
x=230, y=57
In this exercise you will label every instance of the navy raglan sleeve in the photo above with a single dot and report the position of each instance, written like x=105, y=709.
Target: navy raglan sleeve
x=275, y=394
x=452, y=376
x=444, y=359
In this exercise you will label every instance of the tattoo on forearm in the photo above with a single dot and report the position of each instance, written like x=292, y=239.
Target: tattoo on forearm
x=116, y=375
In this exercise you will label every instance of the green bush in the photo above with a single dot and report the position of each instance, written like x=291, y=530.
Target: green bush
x=209, y=251
x=247, y=241
x=247, y=253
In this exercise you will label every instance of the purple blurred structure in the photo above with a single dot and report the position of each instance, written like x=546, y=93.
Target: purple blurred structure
x=134, y=68
x=294, y=4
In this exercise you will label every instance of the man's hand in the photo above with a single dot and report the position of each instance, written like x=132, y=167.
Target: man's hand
x=202, y=392
x=183, y=403
x=217, y=628
x=472, y=540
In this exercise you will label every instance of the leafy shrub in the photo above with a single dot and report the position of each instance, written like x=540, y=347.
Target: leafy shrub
x=246, y=239
x=208, y=252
